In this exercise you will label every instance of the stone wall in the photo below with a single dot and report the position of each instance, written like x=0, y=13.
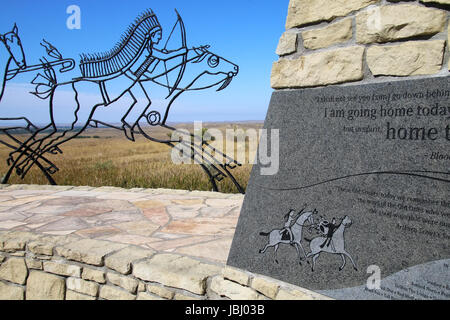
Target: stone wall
x=41, y=267
x=338, y=41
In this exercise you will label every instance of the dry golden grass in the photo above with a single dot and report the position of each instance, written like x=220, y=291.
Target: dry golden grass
x=110, y=159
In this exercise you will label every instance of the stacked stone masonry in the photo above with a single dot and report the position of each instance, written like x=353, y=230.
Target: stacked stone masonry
x=337, y=41
x=43, y=267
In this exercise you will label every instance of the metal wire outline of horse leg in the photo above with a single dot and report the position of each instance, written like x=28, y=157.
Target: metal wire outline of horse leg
x=214, y=163
x=40, y=166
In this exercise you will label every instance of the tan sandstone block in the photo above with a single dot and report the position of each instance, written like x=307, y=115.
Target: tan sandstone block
x=175, y=271
x=390, y=23
x=236, y=275
x=113, y=293
x=88, y=251
x=33, y=264
x=121, y=261
x=82, y=286
x=179, y=296
x=292, y=295
x=406, y=59
x=160, y=291
x=41, y=248
x=335, y=33
x=93, y=275
x=72, y=295
x=321, y=68
x=44, y=286
x=62, y=269
x=11, y=292
x=142, y=286
x=287, y=44
x=147, y=296
x=12, y=245
x=16, y=240
x=124, y=282
x=17, y=254
x=232, y=290
x=14, y=270
x=303, y=12
x=266, y=287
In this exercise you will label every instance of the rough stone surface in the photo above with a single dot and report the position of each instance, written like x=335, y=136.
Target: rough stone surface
x=266, y=287
x=41, y=248
x=44, y=286
x=18, y=254
x=406, y=59
x=160, y=291
x=141, y=287
x=93, y=275
x=293, y=295
x=147, y=296
x=33, y=264
x=287, y=44
x=321, y=68
x=335, y=33
x=88, y=251
x=121, y=260
x=62, y=269
x=11, y=292
x=114, y=293
x=232, y=290
x=60, y=278
x=14, y=270
x=82, y=286
x=390, y=23
x=302, y=12
x=179, y=296
x=184, y=273
x=12, y=242
x=235, y=275
x=72, y=295
x=126, y=283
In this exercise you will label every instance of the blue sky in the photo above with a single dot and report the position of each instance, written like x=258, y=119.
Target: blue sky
x=245, y=32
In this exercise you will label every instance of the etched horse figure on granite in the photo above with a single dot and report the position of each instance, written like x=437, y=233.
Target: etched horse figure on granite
x=276, y=236
x=336, y=246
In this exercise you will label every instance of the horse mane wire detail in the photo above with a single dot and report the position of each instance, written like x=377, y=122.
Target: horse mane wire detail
x=124, y=52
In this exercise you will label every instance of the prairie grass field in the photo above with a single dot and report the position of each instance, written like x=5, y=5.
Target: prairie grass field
x=104, y=157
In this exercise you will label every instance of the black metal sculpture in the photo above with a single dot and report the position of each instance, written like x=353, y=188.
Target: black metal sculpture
x=132, y=63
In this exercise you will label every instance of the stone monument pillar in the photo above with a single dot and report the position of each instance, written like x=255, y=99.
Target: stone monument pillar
x=360, y=207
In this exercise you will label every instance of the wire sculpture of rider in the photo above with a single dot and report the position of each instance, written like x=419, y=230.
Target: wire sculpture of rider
x=143, y=70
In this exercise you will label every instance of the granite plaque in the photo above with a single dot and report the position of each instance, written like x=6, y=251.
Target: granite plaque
x=360, y=205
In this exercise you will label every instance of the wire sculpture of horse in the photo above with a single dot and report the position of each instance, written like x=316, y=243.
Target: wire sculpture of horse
x=127, y=66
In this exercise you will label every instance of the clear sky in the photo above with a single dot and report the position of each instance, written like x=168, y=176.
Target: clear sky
x=245, y=32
